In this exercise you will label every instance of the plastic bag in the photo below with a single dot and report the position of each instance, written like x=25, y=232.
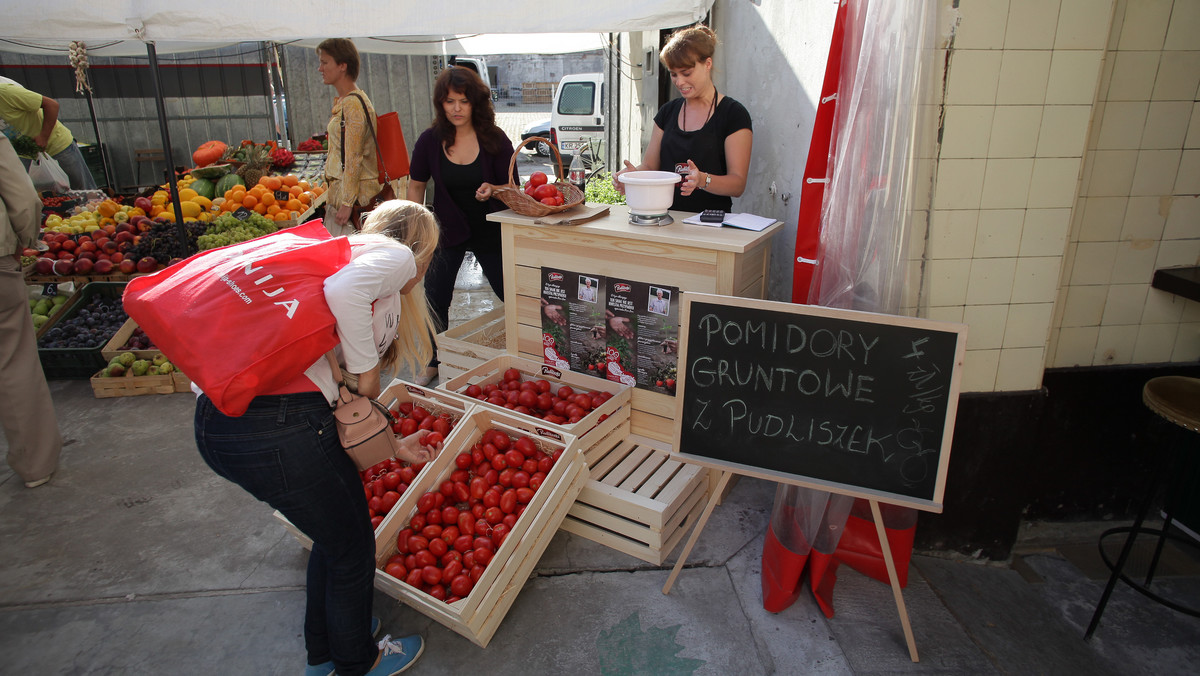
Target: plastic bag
x=47, y=175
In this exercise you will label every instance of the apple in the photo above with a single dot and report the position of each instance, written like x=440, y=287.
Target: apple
x=144, y=204
x=127, y=266
x=63, y=268
x=103, y=267
x=83, y=266
x=147, y=264
x=44, y=266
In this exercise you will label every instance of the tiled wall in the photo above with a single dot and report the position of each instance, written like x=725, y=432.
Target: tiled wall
x=1021, y=82
x=1138, y=207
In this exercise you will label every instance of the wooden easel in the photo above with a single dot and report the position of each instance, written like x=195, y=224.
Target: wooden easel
x=879, y=529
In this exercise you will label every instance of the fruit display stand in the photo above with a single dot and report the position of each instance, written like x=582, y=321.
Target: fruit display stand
x=72, y=292
x=471, y=343
x=608, y=421
x=77, y=362
x=113, y=347
x=400, y=392
x=130, y=385
x=639, y=500
x=478, y=615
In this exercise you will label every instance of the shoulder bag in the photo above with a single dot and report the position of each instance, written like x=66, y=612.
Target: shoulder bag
x=364, y=426
x=357, y=211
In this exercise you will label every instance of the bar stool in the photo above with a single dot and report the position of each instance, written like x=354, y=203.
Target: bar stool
x=1175, y=399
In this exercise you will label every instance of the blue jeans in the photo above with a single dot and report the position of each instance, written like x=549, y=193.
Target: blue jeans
x=285, y=451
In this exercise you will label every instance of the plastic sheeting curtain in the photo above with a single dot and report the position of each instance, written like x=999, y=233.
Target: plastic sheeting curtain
x=865, y=222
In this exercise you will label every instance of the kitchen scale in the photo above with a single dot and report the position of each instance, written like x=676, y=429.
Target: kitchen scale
x=640, y=219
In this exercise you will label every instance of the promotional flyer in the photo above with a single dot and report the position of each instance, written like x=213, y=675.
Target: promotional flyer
x=643, y=340
x=573, y=309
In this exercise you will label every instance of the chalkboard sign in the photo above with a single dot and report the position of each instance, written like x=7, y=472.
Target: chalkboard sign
x=242, y=213
x=850, y=402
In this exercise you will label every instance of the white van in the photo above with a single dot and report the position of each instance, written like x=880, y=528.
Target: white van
x=577, y=114
x=477, y=64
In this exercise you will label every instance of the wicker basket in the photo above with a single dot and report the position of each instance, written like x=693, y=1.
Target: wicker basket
x=516, y=199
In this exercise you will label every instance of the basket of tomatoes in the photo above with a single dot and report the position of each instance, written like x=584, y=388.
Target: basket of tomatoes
x=539, y=196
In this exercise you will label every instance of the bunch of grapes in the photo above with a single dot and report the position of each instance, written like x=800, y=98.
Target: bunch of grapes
x=228, y=229
x=162, y=242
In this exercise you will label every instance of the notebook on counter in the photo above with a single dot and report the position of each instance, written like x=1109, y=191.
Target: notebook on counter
x=743, y=221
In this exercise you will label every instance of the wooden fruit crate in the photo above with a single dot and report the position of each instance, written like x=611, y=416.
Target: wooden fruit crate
x=610, y=418
x=477, y=616
x=434, y=401
x=182, y=382
x=470, y=344
x=131, y=386
x=639, y=500
x=113, y=347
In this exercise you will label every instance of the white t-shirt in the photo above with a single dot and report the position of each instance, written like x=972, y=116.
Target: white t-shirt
x=364, y=297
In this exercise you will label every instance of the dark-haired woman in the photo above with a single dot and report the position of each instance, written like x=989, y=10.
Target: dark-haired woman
x=465, y=154
x=355, y=180
x=703, y=135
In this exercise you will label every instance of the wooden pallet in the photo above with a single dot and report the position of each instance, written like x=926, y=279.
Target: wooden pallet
x=470, y=344
x=639, y=500
x=477, y=616
x=131, y=386
x=611, y=417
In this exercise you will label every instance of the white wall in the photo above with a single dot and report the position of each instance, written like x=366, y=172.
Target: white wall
x=772, y=59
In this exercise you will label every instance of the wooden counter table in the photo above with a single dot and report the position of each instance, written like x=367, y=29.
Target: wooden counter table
x=726, y=261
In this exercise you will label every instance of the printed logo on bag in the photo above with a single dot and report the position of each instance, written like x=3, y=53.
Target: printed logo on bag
x=289, y=306
x=622, y=288
x=555, y=276
x=551, y=371
x=549, y=434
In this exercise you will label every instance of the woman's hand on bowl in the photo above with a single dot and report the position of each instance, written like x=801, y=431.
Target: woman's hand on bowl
x=616, y=177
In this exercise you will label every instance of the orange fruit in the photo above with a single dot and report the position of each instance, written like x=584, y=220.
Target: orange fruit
x=273, y=209
x=304, y=198
x=282, y=216
x=290, y=180
x=295, y=190
x=261, y=208
x=270, y=182
x=295, y=205
x=249, y=201
x=268, y=198
x=304, y=185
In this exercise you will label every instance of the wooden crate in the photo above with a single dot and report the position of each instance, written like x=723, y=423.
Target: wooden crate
x=113, y=347
x=471, y=343
x=131, y=386
x=182, y=382
x=611, y=417
x=477, y=616
x=639, y=499
x=434, y=401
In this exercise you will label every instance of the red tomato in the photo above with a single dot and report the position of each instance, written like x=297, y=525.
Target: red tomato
x=545, y=402
x=462, y=461
x=511, y=375
x=417, y=523
x=514, y=458
x=419, y=413
x=477, y=511
x=499, y=532
x=389, y=501
x=560, y=408
x=407, y=427
x=501, y=440
x=520, y=479
x=477, y=572
x=542, y=192
x=438, y=592
x=461, y=585
x=524, y=495
x=481, y=526
x=508, y=502
x=491, y=476
x=375, y=521
x=529, y=466
x=499, y=462
x=452, y=570
x=510, y=520
x=468, y=559
x=406, y=408
x=545, y=464
x=450, y=515
x=391, y=480
x=527, y=399
x=414, y=578
x=431, y=574
x=525, y=447
x=434, y=517
x=417, y=544
x=375, y=504
x=489, y=451
x=367, y=490
x=549, y=201
x=407, y=474
x=461, y=492
x=482, y=556
x=556, y=455
x=426, y=502
x=536, y=480
x=402, y=540
x=441, y=426
x=460, y=476
x=426, y=423
x=535, y=179
x=506, y=476
x=438, y=547
x=431, y=532
x=565, y=391
x=479, y=486
x=466, y=523
x=462, y=544
x=396, y=570
x=491, y=498
x=493, y=515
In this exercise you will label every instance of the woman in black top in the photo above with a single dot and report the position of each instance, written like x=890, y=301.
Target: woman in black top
x=465, y=154
x=703, y=136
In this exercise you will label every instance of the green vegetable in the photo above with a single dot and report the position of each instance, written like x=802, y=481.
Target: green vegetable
x=600, y=190
x=25, y=147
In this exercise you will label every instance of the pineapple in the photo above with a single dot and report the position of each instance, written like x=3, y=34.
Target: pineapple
x=258, y=162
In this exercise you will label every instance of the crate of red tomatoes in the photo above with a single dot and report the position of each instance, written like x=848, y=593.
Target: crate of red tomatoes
x=549, y=400
x=413, y=408
x=471, y=528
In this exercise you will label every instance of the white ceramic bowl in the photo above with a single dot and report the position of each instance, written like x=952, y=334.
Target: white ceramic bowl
x=649, y=193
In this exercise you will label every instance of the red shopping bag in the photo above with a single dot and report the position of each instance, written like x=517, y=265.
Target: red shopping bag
x=246, y=318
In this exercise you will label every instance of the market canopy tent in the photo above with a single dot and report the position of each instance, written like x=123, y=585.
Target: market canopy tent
x=167, y=23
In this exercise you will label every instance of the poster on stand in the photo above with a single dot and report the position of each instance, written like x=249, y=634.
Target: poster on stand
x=573, y=311
x=643, y=336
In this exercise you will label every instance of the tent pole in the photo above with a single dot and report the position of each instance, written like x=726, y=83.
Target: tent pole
x=172, y=186
x=96, y=128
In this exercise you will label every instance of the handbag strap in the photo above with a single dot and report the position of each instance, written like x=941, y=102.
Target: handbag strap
x=367, y=114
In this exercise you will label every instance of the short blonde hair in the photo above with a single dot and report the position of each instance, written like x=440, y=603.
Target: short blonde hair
x=416, y=227
x=689, y=46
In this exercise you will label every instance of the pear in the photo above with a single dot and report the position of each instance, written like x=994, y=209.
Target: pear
x=140, y=367
x=160, y=359
x=114, y=370
x=126, y=359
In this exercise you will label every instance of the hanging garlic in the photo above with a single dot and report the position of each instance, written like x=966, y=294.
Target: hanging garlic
x=79, y=61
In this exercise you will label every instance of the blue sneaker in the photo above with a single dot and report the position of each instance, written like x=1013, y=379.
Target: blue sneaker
x=397, y=655
x=327, y=668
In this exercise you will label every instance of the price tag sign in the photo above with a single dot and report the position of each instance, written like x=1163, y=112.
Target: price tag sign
x=283, y=195
x=50, y=289
x=242, y=213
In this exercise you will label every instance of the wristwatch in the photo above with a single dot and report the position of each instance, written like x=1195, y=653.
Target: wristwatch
x=707, y=179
